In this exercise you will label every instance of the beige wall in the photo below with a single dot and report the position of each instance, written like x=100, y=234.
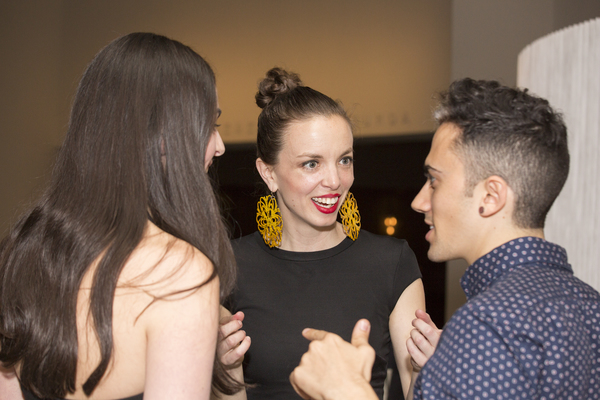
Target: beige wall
x=382, y=58
x=30, y=113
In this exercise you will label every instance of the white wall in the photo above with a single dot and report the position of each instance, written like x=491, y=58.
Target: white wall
x=487, y=37
x=564, y=68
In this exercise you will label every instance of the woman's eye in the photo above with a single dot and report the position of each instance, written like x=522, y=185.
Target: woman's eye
x=310, y=164
x=346, y=161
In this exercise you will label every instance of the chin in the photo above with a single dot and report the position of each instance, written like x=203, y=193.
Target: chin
x=324, y=225
x=436, y=255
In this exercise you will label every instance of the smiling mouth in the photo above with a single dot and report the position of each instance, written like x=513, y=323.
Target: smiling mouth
x=429, y=232
x=325, y=202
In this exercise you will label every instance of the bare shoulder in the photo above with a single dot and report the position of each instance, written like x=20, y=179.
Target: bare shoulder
x=170, y=280
x=165, y=318
x=174, y=311
x=162, y=264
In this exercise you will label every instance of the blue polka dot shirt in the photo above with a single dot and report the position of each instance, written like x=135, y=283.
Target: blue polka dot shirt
x=529, y=330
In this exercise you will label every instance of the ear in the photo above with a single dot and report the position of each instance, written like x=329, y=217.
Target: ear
x=495, y=195
x=267, y=173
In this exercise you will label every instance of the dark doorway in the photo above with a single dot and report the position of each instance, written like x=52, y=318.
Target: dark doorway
x=388, y=175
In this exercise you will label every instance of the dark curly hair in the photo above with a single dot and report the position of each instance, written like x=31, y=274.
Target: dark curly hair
x=512, y=134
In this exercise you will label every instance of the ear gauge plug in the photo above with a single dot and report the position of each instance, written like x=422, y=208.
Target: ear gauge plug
x=481, y=210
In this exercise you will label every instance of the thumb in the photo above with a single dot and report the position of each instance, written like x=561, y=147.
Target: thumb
x=360, y=334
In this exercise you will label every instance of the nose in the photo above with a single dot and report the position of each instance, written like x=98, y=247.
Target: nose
x=331, y=179
x=219, y=145
x=422, y=202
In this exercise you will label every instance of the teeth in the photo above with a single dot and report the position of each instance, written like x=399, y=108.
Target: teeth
x=430, y=227
x=325, y=201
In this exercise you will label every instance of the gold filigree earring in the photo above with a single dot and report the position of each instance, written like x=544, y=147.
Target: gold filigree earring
x=269, y=220
x=350, y=216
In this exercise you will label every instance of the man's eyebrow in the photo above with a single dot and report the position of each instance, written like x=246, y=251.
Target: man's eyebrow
x=427, y=168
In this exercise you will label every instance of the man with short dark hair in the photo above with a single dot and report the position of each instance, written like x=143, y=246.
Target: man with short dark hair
x=529, y=329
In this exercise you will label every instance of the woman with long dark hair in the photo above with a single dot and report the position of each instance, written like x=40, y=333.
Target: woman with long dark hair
x=110, y=285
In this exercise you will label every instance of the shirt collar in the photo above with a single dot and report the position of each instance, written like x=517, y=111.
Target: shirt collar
x=526, y=250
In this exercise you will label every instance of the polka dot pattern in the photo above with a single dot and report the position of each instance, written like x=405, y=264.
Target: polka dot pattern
x=530, y=330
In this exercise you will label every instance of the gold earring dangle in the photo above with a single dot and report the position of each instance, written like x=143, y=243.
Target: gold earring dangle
x=350, y=216
x=269, y=220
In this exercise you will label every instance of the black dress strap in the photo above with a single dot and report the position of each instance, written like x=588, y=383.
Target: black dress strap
x=30, y=396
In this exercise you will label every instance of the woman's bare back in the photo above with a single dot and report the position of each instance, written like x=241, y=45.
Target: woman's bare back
x=154, y=340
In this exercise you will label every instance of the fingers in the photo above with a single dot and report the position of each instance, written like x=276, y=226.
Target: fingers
x=418, y=359
x=426, y=328
x=232, y=349
x=423, y=339
x=226, y=316
x=422, y=342
x=314, y=334
x=360, y=334
x=235, y=355
x=311, y=377
x=229, y=325
x=233, y=342
x=422, y=315
x=360, y=339
x=332, y=367
x=238, y=315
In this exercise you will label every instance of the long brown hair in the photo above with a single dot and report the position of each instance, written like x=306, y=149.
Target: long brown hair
x=143, y=96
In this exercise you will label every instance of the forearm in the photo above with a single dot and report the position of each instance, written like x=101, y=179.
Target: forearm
x=411, y=388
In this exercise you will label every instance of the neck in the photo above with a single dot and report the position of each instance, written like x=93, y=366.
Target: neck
x=312, y=239
x=497, y=237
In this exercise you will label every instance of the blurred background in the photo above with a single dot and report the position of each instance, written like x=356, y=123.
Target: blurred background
x=384, y=59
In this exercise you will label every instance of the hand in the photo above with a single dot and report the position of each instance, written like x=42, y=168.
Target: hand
x=335, y=369
x=423, y=339
x=233, y=342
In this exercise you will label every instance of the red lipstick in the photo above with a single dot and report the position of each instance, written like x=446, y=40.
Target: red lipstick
x=327, y=210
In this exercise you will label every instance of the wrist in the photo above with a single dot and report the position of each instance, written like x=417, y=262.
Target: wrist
x=358, y=389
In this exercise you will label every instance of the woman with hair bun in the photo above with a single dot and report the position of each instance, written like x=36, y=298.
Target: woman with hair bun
x=110, y=285
x=303, y=268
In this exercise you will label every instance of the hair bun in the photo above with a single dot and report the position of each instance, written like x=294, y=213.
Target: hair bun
x=277, y=82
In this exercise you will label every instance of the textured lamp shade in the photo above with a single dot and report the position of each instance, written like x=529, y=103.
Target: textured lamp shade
x=564, y=67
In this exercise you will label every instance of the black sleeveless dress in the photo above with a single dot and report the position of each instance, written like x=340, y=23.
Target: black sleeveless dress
x=30, y=396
